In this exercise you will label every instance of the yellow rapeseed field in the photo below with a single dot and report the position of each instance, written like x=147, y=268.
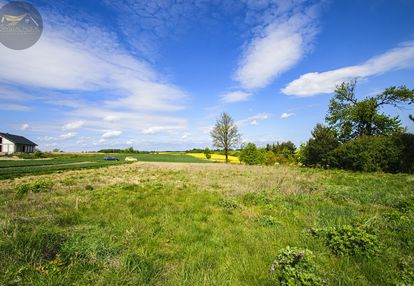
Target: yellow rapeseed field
x=216, y=157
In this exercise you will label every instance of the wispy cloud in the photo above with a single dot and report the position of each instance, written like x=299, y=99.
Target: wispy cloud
x=86, y=72
x=24, y=126
x=111, y=134
x=14, y=107
x=160, y=129
x=279, y=45
x=73, y=125
x=286, y=115
x=253, y=120
x=316, y=83
x=235, y=96
x=68, y=135
x=111, y=118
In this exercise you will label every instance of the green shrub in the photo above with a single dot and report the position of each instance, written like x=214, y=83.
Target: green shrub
x=89, y=188
x=256, y=198
x=39, y=154
x=407, y=271
x=368, y=154
x=51, y=267
x=282, y=160
x=295, y=266
x=268, y=220
x=207, y=153
x=316, y=152
x=252, y=156
x=270, y=158
x=376, y=153
x=405, y=143
x=406, y=205
x=229, y=204
x=34, y=187
x=348, y=240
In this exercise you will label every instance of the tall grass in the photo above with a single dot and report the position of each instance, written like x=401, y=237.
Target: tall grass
x=204, y=224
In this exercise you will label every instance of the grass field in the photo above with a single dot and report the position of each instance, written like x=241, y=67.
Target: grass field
x=17, y=168
x=205, y=224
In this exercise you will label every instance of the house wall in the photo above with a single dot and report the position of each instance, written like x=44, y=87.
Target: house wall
x=7, y=146
x=23, y=148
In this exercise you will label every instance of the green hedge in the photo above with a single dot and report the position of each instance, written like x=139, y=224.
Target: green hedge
x=376, y=153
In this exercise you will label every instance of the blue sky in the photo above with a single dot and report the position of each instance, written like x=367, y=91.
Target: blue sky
x=155, y=76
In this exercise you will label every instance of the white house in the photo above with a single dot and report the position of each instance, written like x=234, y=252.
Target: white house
x=10, y=144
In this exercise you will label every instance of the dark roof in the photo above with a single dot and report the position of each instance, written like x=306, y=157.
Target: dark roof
x=17, y=139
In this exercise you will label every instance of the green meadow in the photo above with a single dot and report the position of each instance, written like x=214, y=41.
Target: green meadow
x=61, y=162
x=207, y=224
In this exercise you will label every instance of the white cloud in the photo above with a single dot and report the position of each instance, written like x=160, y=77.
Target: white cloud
x=160, y=129
x=74, y=59
x=278, y=47
x=126, y=121
x=253, y=120
x=64, y=59
x=73, y=125
x=185, y=135
x=14, y=107
x=46, y=138
x=24, y=126
x=51, y=145
x=111, y=134
x=12, y=94
x=286, y=115
x=67, y=135
x=235, y=96
x=111, y=118
x=316, y=83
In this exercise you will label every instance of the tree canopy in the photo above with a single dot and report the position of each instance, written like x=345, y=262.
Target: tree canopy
x=317, y=149
x=225, y=134
x=352, y=118
x=251, y=155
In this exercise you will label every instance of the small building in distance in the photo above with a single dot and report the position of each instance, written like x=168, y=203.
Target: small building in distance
x=10, y=144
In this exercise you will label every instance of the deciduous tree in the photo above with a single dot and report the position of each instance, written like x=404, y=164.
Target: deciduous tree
x=353, y=118
x=225, y=134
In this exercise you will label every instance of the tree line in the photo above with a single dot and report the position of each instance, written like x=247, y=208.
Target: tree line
x=356, y=135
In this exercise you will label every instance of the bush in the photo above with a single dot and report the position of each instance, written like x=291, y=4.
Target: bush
x=229, y=204
x=282, y=160
x=268, y=220
x=207, y=153
x=405, y=143
x=39, y=154
x=256, y=198
x=407, y=271
x=368, y=154
x=270, y=158
x=34, y=187
x=36, y=155
x=252, y=156
x=89, y=188
x=348, y=240
x=406, y=205
x=295, y=266
x=316, y=152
